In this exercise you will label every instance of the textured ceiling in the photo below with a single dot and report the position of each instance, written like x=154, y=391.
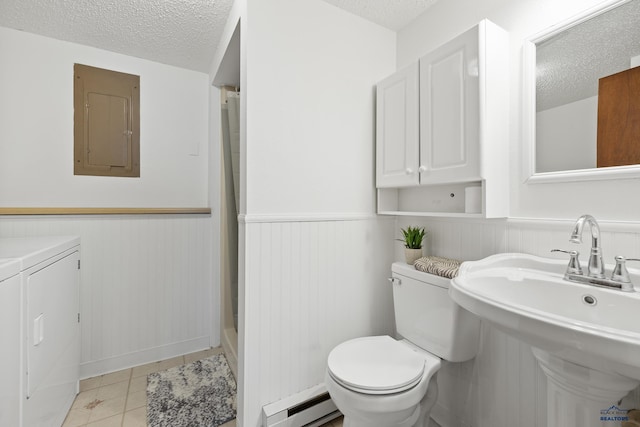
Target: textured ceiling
x=392, y=14
x=570, y=63
x=183, y=33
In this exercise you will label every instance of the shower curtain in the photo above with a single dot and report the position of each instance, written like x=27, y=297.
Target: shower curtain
x=233, y=123
x=231, y=159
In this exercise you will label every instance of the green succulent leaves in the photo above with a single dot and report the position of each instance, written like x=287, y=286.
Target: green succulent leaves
x=413, y=237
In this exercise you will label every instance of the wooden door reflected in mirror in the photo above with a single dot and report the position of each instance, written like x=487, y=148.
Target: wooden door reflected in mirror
x=619, y=119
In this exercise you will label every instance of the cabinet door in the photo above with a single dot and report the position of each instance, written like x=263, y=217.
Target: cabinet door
x=397, y=130
x=449, y=112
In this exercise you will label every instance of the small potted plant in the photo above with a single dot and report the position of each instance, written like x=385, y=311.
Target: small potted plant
x=413, y=237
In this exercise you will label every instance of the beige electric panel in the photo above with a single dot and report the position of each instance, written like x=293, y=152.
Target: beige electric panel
x=106, y=122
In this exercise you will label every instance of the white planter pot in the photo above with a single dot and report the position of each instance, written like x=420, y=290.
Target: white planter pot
x=411, y=255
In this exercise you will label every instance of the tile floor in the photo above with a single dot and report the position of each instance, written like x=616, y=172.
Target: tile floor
x=333, y=423
x=119, y=399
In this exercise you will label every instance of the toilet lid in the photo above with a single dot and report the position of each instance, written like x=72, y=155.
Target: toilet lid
x=376, y=365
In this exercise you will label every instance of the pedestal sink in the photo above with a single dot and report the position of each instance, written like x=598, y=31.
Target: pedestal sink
x=586, y=338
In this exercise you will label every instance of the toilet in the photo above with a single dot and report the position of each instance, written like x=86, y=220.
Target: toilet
x=380, y=381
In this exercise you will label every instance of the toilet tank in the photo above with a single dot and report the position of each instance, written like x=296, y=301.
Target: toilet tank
x=426, y=315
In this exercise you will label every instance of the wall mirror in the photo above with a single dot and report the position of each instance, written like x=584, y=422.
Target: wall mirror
x=582, y=97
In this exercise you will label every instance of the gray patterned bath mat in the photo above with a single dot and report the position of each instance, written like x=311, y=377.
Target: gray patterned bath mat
x=198, y=394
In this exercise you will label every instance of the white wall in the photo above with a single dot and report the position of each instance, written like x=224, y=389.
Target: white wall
x=310, y=89
x=522, y=19
x=309, y=286
x=146, y=292
x=308, y=72
x=314, y=258
x=504, y=386
x=36, y=129
x=567, y=136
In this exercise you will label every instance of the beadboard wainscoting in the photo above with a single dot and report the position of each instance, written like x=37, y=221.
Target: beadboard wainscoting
x=311, y=283
x=146, y=291
x=504, y=386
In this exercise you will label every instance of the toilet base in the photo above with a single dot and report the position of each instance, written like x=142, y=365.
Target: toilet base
x=418, y=418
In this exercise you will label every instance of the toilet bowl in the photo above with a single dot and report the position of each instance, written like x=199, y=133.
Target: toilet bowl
x=379, y=381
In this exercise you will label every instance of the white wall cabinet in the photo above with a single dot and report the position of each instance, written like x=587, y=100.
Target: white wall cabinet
x=448, y=133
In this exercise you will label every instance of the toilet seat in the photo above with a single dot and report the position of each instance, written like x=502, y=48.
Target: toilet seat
x=376, y=365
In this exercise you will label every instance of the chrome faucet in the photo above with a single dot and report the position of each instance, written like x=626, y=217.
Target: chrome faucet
x=595, y=271
x=596, y=265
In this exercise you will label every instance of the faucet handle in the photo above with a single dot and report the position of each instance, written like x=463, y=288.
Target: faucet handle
x=620, y=273
x=574, y=263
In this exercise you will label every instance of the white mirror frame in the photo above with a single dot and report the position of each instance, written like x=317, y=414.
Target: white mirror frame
x=529, y=112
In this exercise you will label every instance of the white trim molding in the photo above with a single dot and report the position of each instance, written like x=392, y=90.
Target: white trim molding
x=553, y=224
x=308, y=217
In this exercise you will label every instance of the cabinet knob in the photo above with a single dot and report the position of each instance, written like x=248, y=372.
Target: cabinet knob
x=422, y=168
x=408, y=171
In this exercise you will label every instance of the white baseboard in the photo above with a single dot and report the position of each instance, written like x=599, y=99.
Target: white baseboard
x=117, y=363
x=312, y=407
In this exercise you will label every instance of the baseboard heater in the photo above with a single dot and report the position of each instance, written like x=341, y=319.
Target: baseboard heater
x=309, y=408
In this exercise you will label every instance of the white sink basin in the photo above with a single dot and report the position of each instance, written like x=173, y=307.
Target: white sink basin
x=527, y=297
